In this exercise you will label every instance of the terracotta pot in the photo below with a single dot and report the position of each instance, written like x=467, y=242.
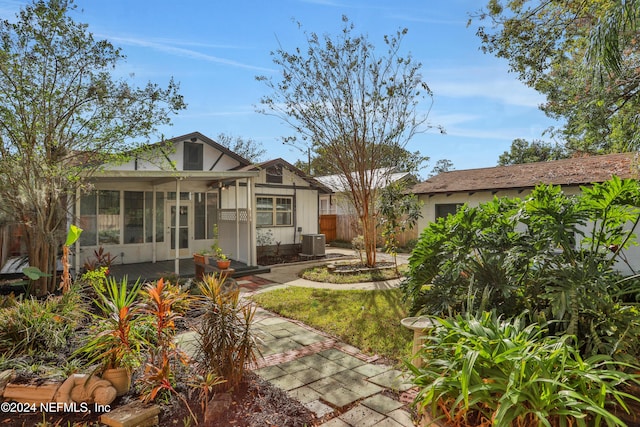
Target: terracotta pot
x=120, y=378
x=199, y=259
x=224, y=264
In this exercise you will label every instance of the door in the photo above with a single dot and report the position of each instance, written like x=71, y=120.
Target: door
x=183, y=229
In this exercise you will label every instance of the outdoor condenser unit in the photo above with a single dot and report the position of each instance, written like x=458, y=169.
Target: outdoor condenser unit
x=313, y=244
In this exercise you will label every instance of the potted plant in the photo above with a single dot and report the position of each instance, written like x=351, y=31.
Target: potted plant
x=223, y=261
x=116, y=339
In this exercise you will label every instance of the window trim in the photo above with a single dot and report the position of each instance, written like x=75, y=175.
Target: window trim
x=274, y=210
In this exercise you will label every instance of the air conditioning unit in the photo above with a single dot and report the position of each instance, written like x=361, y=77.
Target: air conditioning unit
x=313, y=244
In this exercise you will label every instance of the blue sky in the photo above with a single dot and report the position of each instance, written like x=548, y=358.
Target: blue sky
x=215, y=49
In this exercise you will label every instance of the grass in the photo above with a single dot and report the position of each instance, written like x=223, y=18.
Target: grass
x=369, y=320
x=322, y=274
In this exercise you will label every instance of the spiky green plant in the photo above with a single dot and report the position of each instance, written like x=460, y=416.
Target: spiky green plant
x=482, y=368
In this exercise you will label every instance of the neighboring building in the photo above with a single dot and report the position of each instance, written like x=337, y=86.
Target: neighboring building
x=338, y=219
x=445, y=192
x=133, y=207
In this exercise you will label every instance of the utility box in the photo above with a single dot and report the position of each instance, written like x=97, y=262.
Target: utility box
x=313, y=245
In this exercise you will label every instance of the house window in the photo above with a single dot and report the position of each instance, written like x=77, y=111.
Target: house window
x=192, y=156
x=100, y=218
x=160, y=217
x=445, y=209
x=133, y=217
x=205, y=215
x=274, y=174
x=272, y=211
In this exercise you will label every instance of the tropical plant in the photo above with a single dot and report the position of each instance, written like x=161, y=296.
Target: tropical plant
x=487, y=370
x=72, y=236
x=556, y=256
x=164, y=304
x=95, y=279
x=225, y=345
x=117, y=334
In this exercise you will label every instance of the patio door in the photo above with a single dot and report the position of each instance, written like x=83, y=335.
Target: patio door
x=182, y=227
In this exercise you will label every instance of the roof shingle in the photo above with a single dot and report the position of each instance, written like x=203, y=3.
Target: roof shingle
x=575, y=171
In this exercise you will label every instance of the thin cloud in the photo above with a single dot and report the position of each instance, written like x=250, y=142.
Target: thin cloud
x=182, y=52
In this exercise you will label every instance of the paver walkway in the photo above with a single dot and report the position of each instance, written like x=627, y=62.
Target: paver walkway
x=341, y=385
x=336, y=381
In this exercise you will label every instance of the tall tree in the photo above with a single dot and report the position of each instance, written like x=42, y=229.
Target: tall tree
x=522, y=151
x=246, y=148
x=353, y=105
x=546, y=42
x=61, y=115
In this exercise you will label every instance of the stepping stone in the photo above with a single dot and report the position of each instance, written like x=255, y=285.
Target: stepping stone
x=270, y=372
x=304, y=394
x=402, y=417
x=382, y=404
x=287, y=382
x=318, y=408
x=371, y=370
x=308, y=375
x=335, y=422
x=392, y=379
x=361, y=416
x=340, y=397
x=349, y=362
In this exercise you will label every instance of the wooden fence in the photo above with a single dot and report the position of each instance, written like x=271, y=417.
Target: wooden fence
x=345, y=228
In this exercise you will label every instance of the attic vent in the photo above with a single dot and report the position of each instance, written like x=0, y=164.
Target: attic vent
x=192, y=156
x=274, y=174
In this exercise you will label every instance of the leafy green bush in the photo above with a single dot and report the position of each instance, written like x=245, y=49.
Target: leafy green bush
x=33, y=326
x=550, y=254
x=482, y=370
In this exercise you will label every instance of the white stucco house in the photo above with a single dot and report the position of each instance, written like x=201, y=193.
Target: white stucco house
x=444, y=193
x=163, y=204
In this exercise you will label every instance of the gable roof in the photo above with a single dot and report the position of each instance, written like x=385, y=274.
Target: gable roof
x=193, y=136
x=575, y=171
x=381, y=178
x=279, y=161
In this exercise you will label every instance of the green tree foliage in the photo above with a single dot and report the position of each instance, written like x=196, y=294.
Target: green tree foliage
x=441, y=166
x=522, y=151
x=583, y=56
x=551, y=255
x=352, y=105
x=399, y=211
x=246, y=148
x=61, y=116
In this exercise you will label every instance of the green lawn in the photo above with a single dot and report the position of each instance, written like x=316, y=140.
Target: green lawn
x=369, y=320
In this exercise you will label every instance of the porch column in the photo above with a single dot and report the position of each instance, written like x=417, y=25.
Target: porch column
x=251, y=221
x=176, y=262
x=237, y=190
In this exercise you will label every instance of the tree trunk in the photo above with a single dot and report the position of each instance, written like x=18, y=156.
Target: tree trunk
x=42, y=254
x=369, y=236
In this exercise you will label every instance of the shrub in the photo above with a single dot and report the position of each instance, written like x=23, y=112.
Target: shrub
x=33, y=326
x=550, y=254
x=225, y=345
x=482, y=370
